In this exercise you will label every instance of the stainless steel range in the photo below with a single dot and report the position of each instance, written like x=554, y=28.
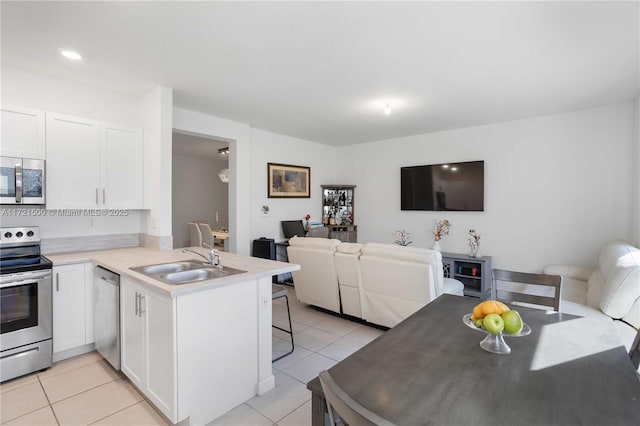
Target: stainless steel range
x=25, y=303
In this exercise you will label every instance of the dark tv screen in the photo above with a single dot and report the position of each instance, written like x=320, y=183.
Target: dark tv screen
x=443, y=187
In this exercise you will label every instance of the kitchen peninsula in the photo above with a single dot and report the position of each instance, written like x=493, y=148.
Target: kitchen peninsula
x=195, y=350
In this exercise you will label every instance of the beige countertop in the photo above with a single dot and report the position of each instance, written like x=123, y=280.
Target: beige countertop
x=120, y=260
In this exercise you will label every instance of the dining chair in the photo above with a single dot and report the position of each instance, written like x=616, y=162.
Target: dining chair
x=508, y=287
x=195, y=236
x=207, y=235
x=634, y=353
x=347, y=408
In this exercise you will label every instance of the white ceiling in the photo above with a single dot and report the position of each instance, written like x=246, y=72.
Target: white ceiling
x=321, y=70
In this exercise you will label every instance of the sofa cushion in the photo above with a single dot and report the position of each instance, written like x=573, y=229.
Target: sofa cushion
x=319, y=243
x=409, y=254
x=615, y=286
x=349, y=248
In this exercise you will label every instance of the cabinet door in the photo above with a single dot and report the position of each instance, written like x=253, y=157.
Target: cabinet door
x=133, y=336
x=122, y=167
x=160, y=347
x=72, y=162
x=22, y=133
x=68, y=307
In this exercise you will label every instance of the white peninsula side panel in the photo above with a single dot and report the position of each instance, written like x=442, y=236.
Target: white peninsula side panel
x=224, y=348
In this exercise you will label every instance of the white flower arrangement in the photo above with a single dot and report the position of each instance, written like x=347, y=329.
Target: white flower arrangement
x=403, y=238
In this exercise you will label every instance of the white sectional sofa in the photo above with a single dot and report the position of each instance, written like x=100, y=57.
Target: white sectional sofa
x=380, y=283
x=610, y=292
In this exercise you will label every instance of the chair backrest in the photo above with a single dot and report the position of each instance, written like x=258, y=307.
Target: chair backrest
x=346, y=407
x=195, y=236
x=207, y=235
x=316, y=283
x=397, y=281
x=634, y=353
x=523, y=287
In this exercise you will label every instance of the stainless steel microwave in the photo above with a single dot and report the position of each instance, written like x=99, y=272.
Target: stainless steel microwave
x=21, y=181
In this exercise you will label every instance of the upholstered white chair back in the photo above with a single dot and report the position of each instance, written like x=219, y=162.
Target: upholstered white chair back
x=195, y=236
x=316, y=282
x=207, y=235
x=347, y=260
x=397, y=281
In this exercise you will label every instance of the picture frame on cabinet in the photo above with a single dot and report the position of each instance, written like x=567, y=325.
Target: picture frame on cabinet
x=288, y=181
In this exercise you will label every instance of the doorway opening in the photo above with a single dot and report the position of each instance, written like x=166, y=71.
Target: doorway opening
x=200, y=188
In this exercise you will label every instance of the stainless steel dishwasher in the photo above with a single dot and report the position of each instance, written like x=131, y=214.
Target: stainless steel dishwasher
x=106, y=286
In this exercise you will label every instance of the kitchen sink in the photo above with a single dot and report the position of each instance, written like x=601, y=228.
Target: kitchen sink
x=188, y=271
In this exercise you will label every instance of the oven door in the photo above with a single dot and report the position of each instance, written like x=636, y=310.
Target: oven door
x=25, y=308
x=22, y=181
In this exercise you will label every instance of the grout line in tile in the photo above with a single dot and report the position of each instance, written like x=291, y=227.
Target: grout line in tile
x=115, y=412
x=293, y=410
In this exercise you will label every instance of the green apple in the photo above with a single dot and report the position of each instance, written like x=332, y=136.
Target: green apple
x=493, y=323
x=512, y=322
x=478, y=323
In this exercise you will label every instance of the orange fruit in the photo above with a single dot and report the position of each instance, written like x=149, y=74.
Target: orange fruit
x=477, y=312
x=502, y=308
x=487, y=307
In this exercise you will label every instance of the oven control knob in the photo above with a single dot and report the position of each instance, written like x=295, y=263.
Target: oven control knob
x=19, y=234
x=30, y=234
x=7, y=234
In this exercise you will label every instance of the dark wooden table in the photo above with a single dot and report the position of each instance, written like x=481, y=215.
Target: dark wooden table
x=430, y=369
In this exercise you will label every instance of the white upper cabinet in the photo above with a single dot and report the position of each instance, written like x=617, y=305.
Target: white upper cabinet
x=122, y=171
x=93, y=165
x=73, y=158
x=23, y=133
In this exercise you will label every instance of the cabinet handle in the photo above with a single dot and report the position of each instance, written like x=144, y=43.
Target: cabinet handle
x=104, y=196
x=137, y=303
x=97, y=201
x=142, y=297
x=57, y=281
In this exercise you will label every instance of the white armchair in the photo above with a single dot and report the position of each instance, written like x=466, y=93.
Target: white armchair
x=316, y=282
x=611, y=290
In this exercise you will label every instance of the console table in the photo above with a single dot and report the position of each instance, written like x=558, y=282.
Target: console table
x=473, y=272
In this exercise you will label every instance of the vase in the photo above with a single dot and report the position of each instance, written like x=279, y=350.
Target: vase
x=475, y=251
x=436, y=245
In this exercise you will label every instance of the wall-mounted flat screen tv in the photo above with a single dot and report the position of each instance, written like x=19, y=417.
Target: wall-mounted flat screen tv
x=443, y=187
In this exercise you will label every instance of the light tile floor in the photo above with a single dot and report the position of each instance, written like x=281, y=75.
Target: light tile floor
x=85, y=390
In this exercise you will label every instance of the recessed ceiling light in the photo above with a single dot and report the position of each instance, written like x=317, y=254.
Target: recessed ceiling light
x=70, y=54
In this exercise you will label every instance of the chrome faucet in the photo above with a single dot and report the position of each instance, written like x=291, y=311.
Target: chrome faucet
x=214, y=256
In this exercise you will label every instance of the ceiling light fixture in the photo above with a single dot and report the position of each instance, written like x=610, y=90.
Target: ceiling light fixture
x=387, y=108
x=70, y=54
x=223, y=151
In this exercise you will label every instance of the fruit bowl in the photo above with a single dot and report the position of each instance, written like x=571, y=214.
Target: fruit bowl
x=495, y=343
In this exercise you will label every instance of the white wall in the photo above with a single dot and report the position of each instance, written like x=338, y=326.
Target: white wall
x=198, y=193
x=274, y=148
x=38, y=91
x=556, y=187
x=635, y=227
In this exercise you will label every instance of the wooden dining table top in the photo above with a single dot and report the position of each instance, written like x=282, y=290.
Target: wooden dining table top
x=430, y=369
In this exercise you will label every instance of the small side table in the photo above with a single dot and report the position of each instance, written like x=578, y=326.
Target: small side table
x=473, y=272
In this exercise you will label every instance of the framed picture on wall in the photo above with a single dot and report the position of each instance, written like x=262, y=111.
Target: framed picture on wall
x=287, y=181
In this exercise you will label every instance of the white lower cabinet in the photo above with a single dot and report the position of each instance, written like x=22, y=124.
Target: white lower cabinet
x=72, y=306
x=148, y=343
